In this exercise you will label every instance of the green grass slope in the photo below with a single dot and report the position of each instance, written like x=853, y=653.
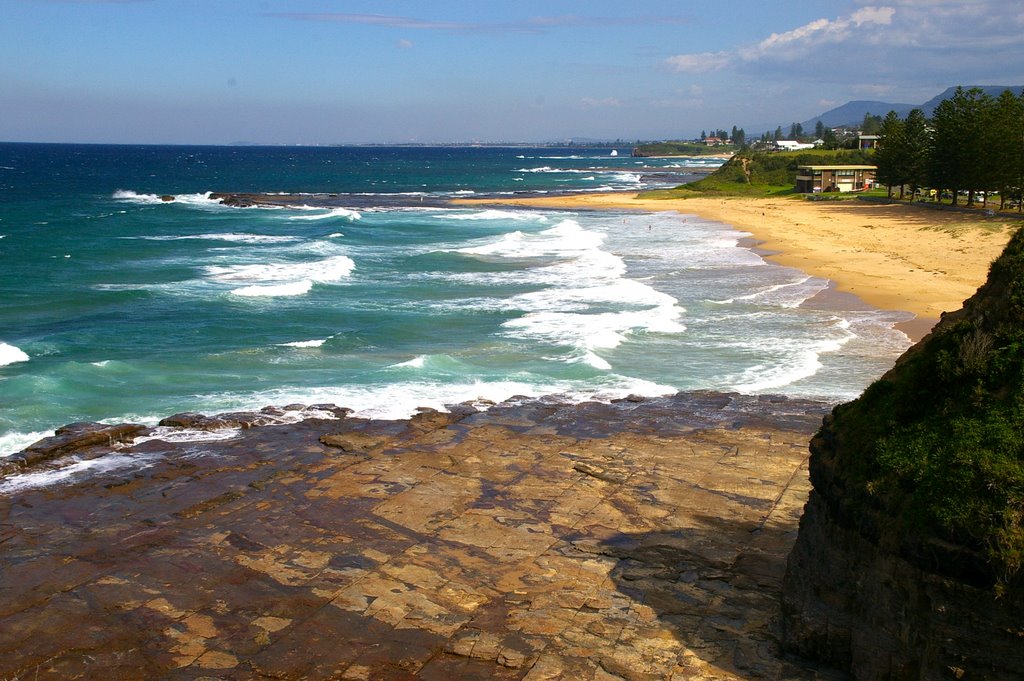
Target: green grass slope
x=765, y=173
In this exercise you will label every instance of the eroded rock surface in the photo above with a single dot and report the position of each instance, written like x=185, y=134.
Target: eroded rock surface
x=644, y=539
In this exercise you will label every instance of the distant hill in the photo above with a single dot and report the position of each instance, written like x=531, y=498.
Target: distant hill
x=852, y=113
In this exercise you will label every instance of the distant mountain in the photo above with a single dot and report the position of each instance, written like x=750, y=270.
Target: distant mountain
x=852, y=113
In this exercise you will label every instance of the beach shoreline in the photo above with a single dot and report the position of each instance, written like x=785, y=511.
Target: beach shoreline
x=891, y=256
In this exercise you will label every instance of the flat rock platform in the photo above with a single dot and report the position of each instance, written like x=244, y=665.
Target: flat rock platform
x=642, y=539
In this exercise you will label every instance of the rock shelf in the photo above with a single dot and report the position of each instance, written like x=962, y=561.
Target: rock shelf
x=642, y=539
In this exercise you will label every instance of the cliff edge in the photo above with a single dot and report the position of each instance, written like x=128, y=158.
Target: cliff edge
x=909, y=555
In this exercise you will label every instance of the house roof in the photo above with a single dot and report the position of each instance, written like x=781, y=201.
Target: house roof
x=838, y=167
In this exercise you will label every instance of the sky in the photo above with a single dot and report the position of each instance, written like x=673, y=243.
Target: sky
x=398, y=71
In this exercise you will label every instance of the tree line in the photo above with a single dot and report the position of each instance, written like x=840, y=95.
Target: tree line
x=974, y=143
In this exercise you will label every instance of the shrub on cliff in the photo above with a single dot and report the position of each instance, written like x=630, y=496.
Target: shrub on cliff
x=937, y=444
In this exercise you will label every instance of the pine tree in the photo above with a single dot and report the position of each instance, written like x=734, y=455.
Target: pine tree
x=830, y=139
x=891, y=155
x=871, y=124
x=957, y=153
x=1006, y=158
x=917, y=138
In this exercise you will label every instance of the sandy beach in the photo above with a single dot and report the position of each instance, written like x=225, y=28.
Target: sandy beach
x=893, y=257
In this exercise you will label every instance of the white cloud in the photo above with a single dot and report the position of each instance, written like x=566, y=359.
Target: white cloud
x=787, y=45
x=592, y=103
x=795, y=43
x=405, y=44
x=890, y=46
x=699, y=63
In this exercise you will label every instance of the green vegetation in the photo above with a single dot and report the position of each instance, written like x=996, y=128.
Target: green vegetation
x=766, y=173
x=975, y=144
x=938, y=443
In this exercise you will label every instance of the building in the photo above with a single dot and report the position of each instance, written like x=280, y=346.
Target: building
x=868, y=141
x=814, y=179
x=791, y=145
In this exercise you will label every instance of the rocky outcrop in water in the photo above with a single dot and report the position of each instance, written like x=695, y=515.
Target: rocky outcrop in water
x=68, y=440
x=908, y=563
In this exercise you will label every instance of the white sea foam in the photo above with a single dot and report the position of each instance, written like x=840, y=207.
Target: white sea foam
x=295, y=288
x=335, y=235
x=305, y=344
x=76, y=470
x=170, y=434
x=326, y=270
x=10, y=354
x=789, y=294
x=587, y=303
x=414, y=363
x=496, y=215
x=590, y=332
x=401, y=400
x=566, y=239
x=549, y=169
x=201, y=200
x=12, y=443
x=229, y=237
x=346, y=213
x=792, y=360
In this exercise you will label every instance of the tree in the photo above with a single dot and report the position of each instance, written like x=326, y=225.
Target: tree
x=917, y=137
x=958, y=150
x=819, y=130
x=830, y=139
x=871, y=124
x=739, y=137
x=796, y=131
x=778, y=133
x=891, y=155
x=1006, y=131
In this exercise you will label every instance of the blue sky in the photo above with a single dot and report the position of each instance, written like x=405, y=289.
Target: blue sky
x=355, y=71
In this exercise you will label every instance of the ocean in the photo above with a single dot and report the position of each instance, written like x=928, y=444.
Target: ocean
x=118, y=305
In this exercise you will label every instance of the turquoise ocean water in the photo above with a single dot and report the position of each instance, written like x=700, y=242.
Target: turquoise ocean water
x=117, y=305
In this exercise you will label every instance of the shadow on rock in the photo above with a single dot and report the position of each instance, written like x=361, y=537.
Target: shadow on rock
x=716, y=587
